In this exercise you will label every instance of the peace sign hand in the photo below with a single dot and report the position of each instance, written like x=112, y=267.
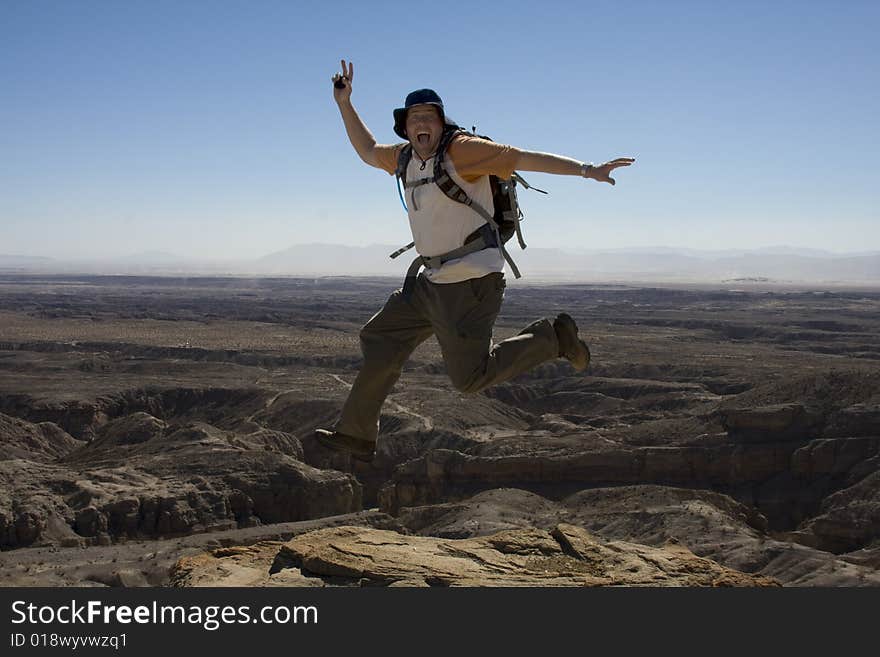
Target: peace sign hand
x=602, y=172
x=342, y=83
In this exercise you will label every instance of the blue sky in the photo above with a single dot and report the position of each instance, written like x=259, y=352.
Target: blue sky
x=208, y=129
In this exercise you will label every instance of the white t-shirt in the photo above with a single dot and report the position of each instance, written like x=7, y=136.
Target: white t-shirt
x=438, y=223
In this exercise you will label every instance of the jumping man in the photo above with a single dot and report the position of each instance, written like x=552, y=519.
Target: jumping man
x=457, y=300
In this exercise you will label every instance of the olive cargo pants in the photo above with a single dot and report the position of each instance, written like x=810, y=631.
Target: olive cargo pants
x=461, y=315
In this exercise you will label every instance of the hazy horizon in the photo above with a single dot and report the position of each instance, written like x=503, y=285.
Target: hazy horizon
x=773, y=249
x=776, y=266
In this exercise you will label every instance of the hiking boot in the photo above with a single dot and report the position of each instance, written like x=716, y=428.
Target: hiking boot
x=571, y=346
x=362, y=450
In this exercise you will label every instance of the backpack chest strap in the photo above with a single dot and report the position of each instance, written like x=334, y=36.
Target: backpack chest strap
x=418, y=183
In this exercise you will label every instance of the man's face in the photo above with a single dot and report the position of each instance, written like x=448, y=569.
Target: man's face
x=424, y=128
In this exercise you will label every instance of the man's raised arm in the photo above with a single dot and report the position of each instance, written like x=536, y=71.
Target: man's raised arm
x=358, y=133
x=566, y=166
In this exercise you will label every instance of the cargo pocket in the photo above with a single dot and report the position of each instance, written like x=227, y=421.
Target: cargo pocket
x=478, y=321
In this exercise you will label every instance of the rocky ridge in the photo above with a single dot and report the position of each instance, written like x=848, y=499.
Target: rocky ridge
x=357, y=556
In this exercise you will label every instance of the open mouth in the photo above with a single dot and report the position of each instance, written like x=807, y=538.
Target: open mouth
x=423, y=138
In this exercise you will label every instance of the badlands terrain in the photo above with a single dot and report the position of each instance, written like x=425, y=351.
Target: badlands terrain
x=157, y=431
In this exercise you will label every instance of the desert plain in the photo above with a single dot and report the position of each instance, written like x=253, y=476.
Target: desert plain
x=157, y=431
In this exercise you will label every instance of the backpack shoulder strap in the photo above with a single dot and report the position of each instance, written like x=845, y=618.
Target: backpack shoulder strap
x=403, y=159
x=448, y=186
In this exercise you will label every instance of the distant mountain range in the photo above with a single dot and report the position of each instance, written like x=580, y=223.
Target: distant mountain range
x=11, y=261
x=780, y=264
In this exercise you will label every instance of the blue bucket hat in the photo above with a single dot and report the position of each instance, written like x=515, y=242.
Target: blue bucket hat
x=418, y=97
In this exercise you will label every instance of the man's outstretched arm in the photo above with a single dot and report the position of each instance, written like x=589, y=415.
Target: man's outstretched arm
x=566, y=166
x=358, y=133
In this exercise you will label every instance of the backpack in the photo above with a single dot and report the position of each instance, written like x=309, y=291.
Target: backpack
x=500, y=226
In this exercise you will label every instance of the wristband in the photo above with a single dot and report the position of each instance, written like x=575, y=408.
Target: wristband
x=586, y=167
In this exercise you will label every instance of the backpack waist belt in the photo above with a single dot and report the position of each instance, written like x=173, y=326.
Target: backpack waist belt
x=485, y=237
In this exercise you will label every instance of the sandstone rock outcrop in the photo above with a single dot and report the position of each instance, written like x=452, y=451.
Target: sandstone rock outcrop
x=141, y=477
x=358, y=556
x=44, y=442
